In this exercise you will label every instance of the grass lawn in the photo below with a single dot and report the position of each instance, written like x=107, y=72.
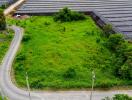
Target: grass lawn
x=63, y=55
x=5, y=39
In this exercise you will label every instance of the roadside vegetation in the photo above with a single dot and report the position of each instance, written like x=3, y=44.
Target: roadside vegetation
x=5, y=36
x=4, y=98
x=119, y=97
x=60, y=54
x=2, y=20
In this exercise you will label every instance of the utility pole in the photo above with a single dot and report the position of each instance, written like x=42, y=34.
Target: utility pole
x=93, y=79
x=28, y=86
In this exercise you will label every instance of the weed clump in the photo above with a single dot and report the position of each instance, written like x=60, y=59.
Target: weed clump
x=70, y=73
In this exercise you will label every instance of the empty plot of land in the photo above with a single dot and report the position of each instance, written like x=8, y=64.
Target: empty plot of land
x=117, y=12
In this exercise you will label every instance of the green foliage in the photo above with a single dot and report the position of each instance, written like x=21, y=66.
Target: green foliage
x=123, y=63
x=107, y=30
x=21, y=57
x=66, y=15
x=2, y=98
x=105, y=84
x=115, y=41
x=119, y=97
x=5, y=39
x=46, y=23
x=55, y=48
x=36, y=84
x=122, y=97
x=2, y=20
x=70, y=73
x=26, y=37
x=3, y=6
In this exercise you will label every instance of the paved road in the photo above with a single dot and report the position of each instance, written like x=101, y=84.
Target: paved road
x=6, y=84
x=117, y=12
x=14, y=93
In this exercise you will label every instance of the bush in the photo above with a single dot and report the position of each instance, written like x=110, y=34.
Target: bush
x=66, y=15
x=105, y=84
x=123, y=66
x=115, y=41
x=70, y=73
x=119, y=97
x=26, y=38
x=37, y=84
x=122, y=97
x=2, y=20
x=123, y=61
x=125, y=71
x=3, y=6
x=107, y=30
x=21, y=57
x=46, y=23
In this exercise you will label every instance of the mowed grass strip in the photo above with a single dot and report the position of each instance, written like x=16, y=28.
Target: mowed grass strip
x=63, y=55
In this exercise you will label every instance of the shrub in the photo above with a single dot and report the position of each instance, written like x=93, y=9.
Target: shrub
x=107, y=30
x=115, y=41
x=70, y=73
x=19, y=67
x=37, y=84
x=125, y=71
x=66, y=15
x=122, y=97
x=2, y=20
x=3, y=6
x=46, y=23
x=26, y=38
x=105, y=84
x=119, y=97
x=97, y=40
x=123, y=65
x=21, y=57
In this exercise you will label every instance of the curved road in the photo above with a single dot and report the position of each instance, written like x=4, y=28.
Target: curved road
x=6, y=84
x=14, y=93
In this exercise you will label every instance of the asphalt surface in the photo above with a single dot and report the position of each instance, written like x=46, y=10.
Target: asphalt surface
x=6, y=84
x=13, y=93
x=117, y=12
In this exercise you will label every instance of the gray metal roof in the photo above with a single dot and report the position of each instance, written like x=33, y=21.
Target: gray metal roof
x=3, y=2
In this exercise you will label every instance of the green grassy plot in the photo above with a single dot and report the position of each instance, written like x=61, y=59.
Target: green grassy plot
x=62, y=55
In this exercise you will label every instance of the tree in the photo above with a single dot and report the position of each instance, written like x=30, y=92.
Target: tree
x=66, y=15
x=2, y=20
